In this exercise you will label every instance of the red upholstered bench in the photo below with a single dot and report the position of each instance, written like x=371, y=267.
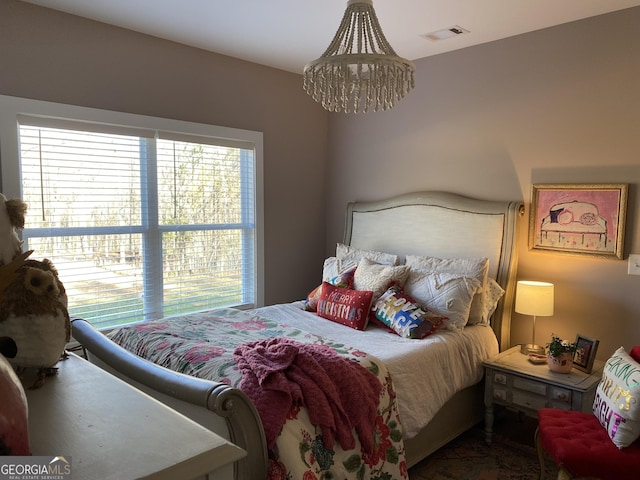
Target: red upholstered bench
x=580, y=447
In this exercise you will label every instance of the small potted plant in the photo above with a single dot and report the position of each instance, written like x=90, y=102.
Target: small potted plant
x=560, y=355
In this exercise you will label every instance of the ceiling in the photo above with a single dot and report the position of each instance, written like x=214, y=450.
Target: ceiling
x=286, y=34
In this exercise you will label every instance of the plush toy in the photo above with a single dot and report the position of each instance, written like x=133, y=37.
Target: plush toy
x=33, y=313
x=12, y=213
x=14, y=431
x=9, y=272
x=33, y=304
x=14, y=421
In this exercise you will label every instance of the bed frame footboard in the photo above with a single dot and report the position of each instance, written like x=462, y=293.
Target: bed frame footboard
x=199, y=399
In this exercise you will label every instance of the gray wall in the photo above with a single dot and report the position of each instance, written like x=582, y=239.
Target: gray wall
x=52, y=56
x=561, y=105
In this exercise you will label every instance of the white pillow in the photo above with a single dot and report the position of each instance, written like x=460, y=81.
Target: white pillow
x=493, y=293
x=446, y=294
x=469, y=267
x=346, y=252
x=377, y=278
x=616, y=402
x=333, y=267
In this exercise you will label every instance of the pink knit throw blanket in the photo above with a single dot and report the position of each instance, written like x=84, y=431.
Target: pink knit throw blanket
x=340, y=395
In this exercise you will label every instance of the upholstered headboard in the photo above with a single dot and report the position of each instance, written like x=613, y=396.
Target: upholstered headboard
x=444, y=225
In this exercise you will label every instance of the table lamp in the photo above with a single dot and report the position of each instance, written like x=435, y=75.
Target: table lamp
x=534, y=298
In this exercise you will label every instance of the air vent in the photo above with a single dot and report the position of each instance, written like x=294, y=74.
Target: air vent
x=445, y=33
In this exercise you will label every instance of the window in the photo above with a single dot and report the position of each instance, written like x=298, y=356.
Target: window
x=141, y=221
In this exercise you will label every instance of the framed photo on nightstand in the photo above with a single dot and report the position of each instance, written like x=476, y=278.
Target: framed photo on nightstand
x=586, y=349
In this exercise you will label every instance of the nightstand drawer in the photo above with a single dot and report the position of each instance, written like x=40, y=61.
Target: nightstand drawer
x=560, y=395
x=528, y=400
x=532, y=386
x=500, y=378
x=500, y=394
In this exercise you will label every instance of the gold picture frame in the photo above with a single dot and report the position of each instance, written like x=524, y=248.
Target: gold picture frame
x=585, y=355
x=584, y=219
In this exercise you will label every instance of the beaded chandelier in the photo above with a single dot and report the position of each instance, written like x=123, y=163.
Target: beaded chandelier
x=359, y=69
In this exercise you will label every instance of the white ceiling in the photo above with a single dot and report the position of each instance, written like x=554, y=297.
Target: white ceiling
x=287, y=34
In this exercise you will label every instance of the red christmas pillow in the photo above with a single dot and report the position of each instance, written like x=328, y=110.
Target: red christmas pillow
x=345, y=306
x=343, y=279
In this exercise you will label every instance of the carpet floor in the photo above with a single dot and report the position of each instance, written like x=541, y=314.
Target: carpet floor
x=511, y=456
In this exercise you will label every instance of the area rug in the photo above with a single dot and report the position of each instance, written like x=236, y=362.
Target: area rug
x=511, y=456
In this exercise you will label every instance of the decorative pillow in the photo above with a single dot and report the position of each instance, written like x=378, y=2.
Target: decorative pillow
x=469, y=267
x=493, y=293
x=343, y=279
x=345, y=306
x=617, y=400
x=446, y=294
x=403, y=315
x=346, y=252
x=334, y=266
x=377, y=278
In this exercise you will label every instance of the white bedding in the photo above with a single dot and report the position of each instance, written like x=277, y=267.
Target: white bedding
x=424, y=378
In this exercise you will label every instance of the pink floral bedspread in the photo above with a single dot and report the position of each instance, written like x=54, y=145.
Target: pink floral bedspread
x=202, y=345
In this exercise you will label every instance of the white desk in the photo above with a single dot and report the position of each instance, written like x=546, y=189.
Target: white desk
x=113, y=431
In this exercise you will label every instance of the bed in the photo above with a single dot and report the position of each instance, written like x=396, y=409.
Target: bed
x=424, y=405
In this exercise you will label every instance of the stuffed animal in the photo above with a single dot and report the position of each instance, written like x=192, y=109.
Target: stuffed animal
x=9, y=272
x=12, y=214
x=33, y=301
x=33, y=313
x=14, y=421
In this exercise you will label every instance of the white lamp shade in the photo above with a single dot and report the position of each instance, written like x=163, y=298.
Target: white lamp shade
x=534, y=298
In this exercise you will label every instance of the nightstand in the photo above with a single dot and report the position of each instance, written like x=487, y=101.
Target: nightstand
x=513, y=381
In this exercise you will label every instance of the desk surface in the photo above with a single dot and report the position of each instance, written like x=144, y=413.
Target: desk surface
x=113, y=431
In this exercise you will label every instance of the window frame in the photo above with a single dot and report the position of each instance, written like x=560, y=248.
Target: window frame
x=13, y=108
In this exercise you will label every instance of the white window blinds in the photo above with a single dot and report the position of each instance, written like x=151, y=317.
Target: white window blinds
x=140, y=223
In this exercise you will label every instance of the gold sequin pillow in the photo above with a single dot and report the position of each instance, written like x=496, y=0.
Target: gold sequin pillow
x=617, y=400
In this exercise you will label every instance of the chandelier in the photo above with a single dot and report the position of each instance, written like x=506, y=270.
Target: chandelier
x=359, y=69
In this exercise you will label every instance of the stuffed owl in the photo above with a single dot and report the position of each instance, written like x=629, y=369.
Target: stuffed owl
x=12, y=213
x=33, y=313
x=9, y=271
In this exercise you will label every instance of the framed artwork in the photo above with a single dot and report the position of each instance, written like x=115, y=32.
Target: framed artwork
x=586, y=349
x=579, y=218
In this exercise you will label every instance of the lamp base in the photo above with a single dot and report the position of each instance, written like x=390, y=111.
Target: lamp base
x=528, y=348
